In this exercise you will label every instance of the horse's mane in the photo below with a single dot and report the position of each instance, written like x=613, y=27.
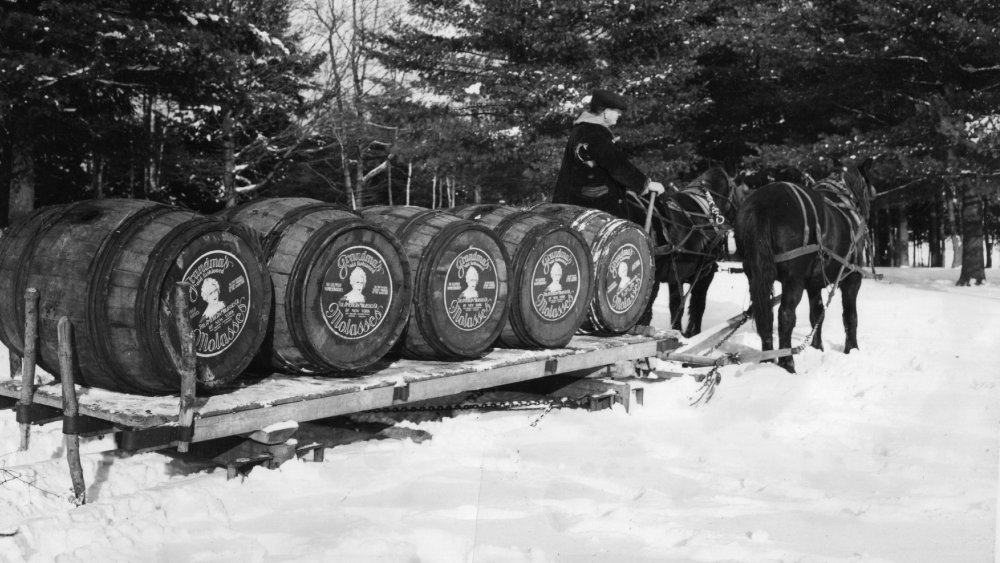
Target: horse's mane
x=713, y=177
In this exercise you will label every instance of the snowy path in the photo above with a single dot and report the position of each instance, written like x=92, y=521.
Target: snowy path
x=886, y=454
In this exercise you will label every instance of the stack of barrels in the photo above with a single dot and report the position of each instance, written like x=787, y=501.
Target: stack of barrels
x=304, y=287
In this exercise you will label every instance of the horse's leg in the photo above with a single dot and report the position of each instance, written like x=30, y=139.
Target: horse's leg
x=696, y=310
x=764, y=319
x=791, y=294
x=676, y=303
x=849, y=298
x=815, y=293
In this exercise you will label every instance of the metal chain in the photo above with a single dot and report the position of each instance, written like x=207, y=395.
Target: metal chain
x=547, y=404
x=713, y=208
x=534, y=423
x=709, y=382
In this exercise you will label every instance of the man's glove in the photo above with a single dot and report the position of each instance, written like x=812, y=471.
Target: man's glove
x=655, y=187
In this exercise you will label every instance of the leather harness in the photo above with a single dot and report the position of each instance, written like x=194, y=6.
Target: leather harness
x=838, y=197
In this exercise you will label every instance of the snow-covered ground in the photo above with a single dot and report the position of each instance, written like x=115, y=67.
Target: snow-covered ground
x=886, y=454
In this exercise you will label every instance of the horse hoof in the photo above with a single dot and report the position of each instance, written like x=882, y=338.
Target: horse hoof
x=788, y=366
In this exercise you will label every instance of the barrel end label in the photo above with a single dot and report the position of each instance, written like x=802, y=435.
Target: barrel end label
x=624, y=278
x=220, y=293
x=357, y=291
x=555, y=283
x=471, y=287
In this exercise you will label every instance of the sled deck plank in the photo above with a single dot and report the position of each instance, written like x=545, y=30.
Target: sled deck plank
x=257, y=403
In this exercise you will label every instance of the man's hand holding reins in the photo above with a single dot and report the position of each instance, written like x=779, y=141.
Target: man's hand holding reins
x=654, y=187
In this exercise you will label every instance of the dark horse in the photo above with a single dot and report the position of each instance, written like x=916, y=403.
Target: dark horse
x=805, y=238
x=689, y=231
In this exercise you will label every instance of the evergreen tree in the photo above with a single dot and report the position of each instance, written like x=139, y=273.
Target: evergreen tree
x=167, y=100
x=524, y=68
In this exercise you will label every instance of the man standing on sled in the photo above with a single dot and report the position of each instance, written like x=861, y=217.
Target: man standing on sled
x=597, y=173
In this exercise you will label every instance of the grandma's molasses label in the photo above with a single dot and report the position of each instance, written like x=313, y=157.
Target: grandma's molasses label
x=555, y=283
x=624, y=278
x=220, y=297
x=470, y=291
x=357, y=290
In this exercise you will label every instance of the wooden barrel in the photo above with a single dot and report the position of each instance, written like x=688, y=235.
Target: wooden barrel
x=552, y=282
x=460, y=272
x=111, y=267
x=623, y=265
x=341, y=285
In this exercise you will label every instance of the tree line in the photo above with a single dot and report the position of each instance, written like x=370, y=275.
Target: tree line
x=205, y=103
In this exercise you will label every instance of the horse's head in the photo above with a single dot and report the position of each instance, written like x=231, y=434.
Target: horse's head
x=726, y=193
x=856, y=178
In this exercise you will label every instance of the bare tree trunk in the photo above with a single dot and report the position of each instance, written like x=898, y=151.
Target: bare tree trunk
x=97, y=176
x=883, y=234
x=956, y=240
x=477, y=194
x=228, y=160
x=434, y=182
x=22, y=182
x=902, y=238
x=348, y=183
x=972, y=237
x=359, y=179
x=988, y=239
x=409, y=177
x=935, y=259
x=149, y=122
x=989, y=251
x=131, y=166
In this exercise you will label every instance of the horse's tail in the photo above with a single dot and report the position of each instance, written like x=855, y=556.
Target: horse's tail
x=754, y=243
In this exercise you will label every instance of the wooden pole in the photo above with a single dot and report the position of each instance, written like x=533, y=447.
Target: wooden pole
x=28, y=360
x=189, y=363
x=649, y=212
x=388, y=178
x=71, y=409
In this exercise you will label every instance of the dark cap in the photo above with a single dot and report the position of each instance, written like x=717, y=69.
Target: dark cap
x=601, y=100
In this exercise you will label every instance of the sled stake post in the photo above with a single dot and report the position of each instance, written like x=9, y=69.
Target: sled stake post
x=28, y=365
x=188, y=367
x=71, y=410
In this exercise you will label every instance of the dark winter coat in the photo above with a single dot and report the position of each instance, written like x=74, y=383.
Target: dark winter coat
x=596, y=172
